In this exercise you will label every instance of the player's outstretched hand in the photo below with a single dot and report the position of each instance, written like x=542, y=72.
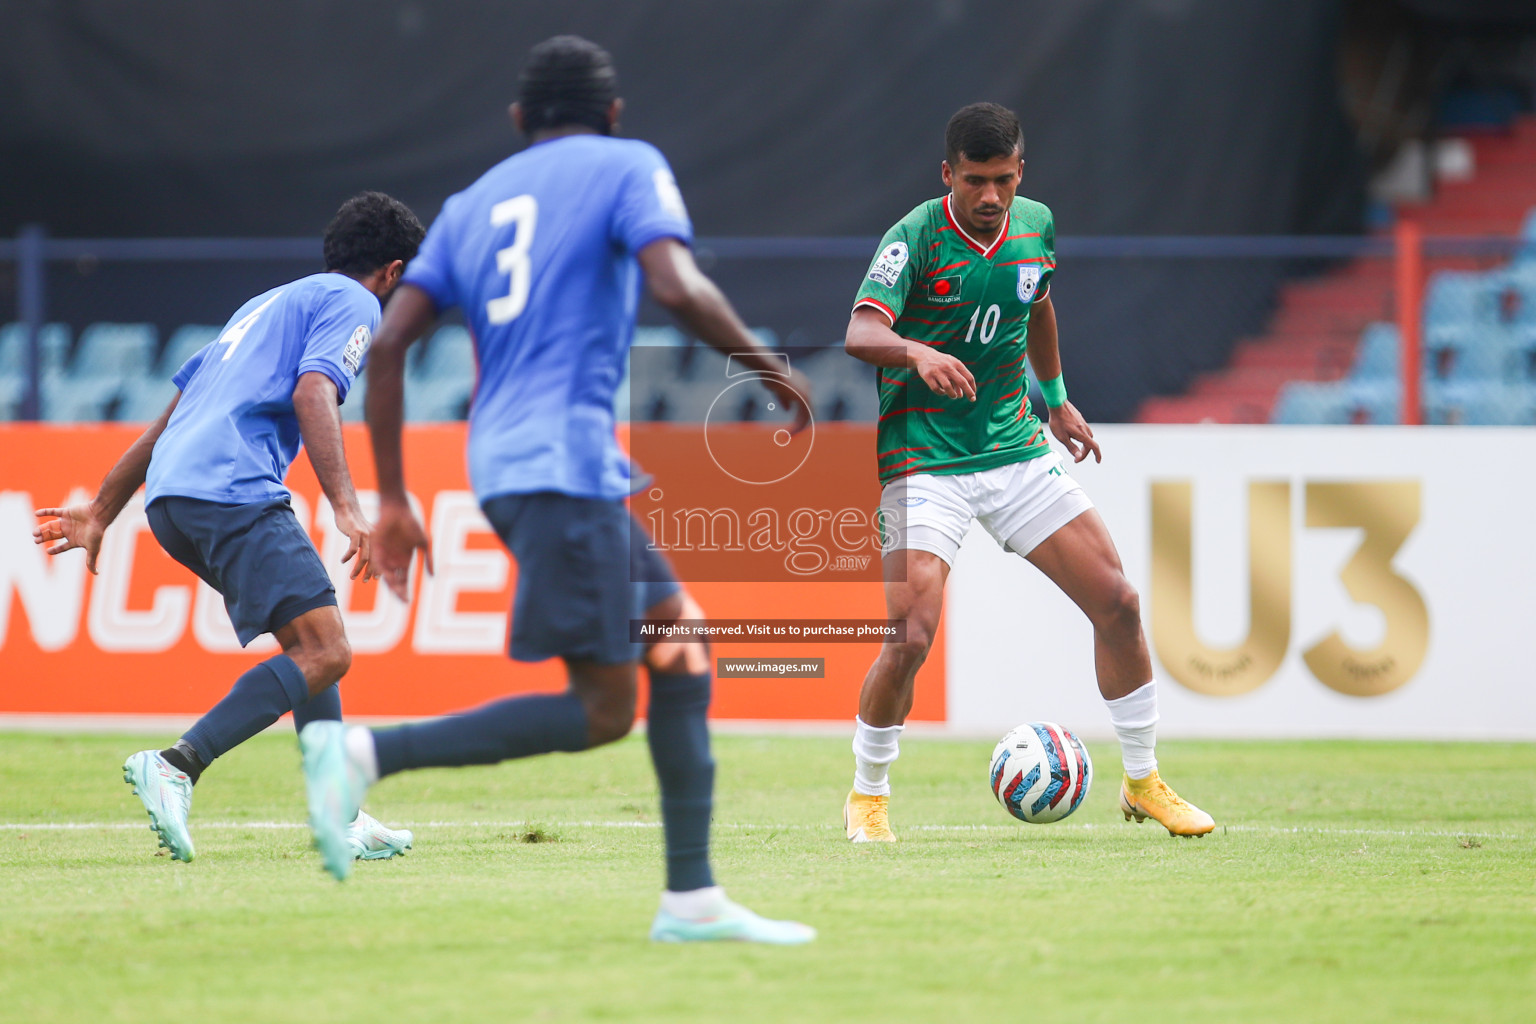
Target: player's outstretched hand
x=795, y=393
x=75, y=526
x=397, y=536
x=1073, y=431
x=351, y=522
x=945, y=375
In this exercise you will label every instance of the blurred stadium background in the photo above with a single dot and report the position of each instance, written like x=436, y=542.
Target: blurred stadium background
x=1227, y=181
x=1311, y=223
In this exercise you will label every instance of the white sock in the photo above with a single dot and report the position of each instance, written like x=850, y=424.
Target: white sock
x=873, y=751
x=361, y=752
x=695, y=904
x=1134, y=717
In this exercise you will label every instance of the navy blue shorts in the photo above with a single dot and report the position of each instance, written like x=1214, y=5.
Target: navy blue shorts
x=585, y=568
x=256, y=555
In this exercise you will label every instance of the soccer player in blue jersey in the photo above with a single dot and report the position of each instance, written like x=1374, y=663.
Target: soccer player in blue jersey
x=544, y=254
x=213, y=466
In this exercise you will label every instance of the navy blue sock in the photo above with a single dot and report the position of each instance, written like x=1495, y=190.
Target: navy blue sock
x=494, y=732
x=677, y=729
x=324, y=706
x=257, y=699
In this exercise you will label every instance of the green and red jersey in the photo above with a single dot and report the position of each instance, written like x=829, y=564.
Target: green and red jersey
x=940, y=287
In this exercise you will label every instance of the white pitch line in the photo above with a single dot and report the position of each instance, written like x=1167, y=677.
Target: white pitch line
x=90, y=826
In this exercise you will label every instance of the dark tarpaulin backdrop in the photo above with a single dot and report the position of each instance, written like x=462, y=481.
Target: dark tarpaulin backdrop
x=784, y=117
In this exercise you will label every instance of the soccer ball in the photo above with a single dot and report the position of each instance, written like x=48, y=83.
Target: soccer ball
x=1040, y=772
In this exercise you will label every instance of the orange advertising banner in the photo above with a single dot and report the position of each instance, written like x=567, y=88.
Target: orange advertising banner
x=146, y=637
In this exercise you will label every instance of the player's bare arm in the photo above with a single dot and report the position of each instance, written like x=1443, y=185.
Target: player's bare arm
x=82, y=526
x=682, y=289
x=319, y=415
x=397, y=535
x=1067, y=424
x=871, y=339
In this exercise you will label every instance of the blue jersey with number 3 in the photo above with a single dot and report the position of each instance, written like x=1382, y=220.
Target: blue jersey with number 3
x=540, y=254
x=234, y=432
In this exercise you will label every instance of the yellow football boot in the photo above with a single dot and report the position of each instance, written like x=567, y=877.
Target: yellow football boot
x=1151, y=798
x=865, y=818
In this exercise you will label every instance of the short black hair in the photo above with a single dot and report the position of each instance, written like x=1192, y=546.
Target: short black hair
x=567, y=80
x=982, y=132
x=371, y=230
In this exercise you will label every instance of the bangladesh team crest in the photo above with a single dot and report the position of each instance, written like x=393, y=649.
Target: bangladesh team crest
x=1029, y=280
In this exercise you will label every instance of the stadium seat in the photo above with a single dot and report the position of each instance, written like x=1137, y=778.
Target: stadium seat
x=67, y=399
x=697, y=362
x=1526, y=253
x=1465, y=352
x=855, y=405
x=449, y=356
x=654, y=352
x=1520, y=279
x=621, y=401
x=1377, y=358
x=1304, y=402
x=698, y=401
x=1445, y=403
x=1521, y=365
x=1341, y=402
x=143, y=399
x=436, y=400
x=1460, y=297
x=352, y=410
x=13, y=391
x=658, y=337
x=114, y=352
x=843, y=388
x=1372, y=402
x=691, y=401
x=1450, y=352
x=649, y=405
x=53, y=340
x=1477, y=403
x=439, y=383
x=1485, y=361
x=182, y=345
x=1466, y=370
x=1522, y=399
x=621, y=394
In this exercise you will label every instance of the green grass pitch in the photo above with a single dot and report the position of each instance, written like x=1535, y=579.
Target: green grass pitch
x=1345, y=882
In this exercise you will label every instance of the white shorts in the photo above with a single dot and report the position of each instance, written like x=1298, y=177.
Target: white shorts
x=1020, y=505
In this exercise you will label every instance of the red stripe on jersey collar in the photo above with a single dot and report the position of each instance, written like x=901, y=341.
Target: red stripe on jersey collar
x=987, y=252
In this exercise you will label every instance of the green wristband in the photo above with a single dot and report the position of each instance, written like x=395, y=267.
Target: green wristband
x=1055, y=392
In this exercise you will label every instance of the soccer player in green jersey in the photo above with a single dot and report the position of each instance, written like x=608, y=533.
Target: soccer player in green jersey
x=956, y=296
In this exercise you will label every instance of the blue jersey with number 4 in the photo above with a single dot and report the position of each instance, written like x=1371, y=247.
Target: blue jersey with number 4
x=540, y=254
x=234, y=432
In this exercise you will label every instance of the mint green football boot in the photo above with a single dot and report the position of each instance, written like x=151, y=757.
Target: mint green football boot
x=372, y=840
x=335, y=788
x=732, y=923
x=166, y=792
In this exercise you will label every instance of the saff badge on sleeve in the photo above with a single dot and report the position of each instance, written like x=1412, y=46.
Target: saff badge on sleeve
x=888, y=265
x=357, y=348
